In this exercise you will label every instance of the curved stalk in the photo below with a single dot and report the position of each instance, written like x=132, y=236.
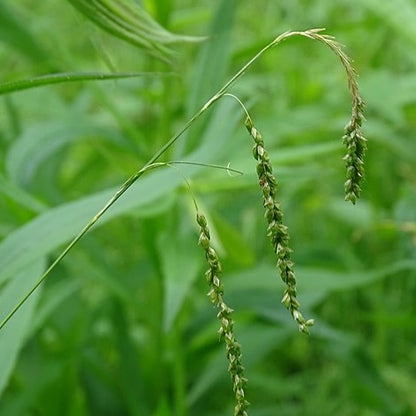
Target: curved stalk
x=354, y=161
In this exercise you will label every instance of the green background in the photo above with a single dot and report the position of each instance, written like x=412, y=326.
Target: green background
x=123, y=325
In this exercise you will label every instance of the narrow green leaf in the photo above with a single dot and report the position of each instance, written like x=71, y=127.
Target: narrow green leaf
x=59, y=78
x=131, y=23
x=314, y=284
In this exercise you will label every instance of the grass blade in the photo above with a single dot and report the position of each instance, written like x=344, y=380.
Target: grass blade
x=132, y=24
x=63, y=77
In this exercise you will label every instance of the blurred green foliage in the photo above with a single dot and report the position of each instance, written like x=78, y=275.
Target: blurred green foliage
x=123, y=325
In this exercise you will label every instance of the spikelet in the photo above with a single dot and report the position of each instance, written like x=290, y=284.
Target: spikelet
x=226, y=331
x=276, y=230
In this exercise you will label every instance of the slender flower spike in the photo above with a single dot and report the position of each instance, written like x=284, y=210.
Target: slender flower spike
x=226, y=331
x=353, y=138
x=276, y=230
x=356, y=147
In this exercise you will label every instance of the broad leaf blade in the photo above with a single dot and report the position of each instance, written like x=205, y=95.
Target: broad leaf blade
x=56, y=226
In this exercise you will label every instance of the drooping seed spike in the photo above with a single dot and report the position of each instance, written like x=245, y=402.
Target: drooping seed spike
x=276, y=230
x=224, y=314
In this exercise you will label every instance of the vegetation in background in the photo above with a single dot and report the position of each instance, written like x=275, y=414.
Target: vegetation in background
x=123, y=326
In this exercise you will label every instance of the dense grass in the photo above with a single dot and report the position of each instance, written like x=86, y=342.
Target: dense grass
x=123, y=325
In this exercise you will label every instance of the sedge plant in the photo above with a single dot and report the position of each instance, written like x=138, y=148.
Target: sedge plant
x=278, y=233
